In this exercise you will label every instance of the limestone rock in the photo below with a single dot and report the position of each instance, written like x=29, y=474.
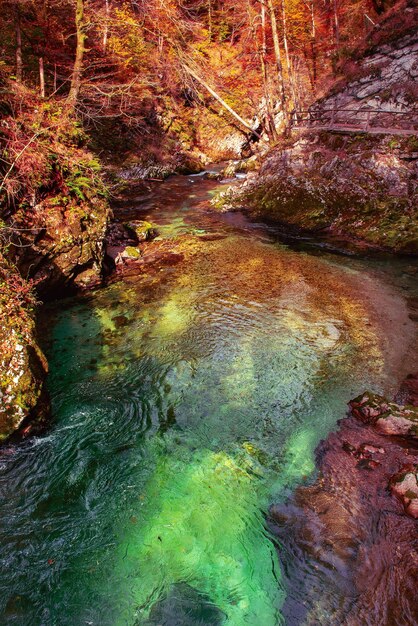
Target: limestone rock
x=23, y=366
x=63, y=240
x=388, y=418
x=405, y=486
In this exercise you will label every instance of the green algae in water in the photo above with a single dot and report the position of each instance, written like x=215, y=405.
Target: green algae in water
x=240, y=405
x=175, y=432
x=203, y=526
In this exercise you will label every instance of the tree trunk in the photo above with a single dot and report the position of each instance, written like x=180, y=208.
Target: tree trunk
x=262, y=54
x=42, y=77
x=286, y=49
x=19, y=58
x=219, y=99
x=106, y=25
x=278, y=57
x=336, y=24
x=313, y=45
x=80, y=49
x=210, y=19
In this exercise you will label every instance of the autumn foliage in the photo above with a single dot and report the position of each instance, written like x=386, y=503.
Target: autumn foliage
x=125, y=61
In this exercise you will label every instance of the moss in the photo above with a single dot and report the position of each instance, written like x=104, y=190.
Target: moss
x=143, y=230
x=133, y=253
x=346, y=185
x=22, y=365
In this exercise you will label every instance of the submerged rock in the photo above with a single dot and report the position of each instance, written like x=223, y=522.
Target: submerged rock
x=408, y=392
x=184, y=606
x=355, y=527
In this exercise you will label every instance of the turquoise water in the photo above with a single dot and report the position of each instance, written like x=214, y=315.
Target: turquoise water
x=186, y=400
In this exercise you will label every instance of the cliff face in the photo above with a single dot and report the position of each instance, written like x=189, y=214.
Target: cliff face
x=351, y=183
x=59, y=246
x=380, y=87
x=60, y=243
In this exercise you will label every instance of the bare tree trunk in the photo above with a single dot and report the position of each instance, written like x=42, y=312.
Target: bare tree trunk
x=219, y=99
x=309, y=68
x=278, y=56
x=19, y=58
x=262, y=53
x=286, y=49
x=106, y=26
x=42, y=77
x=336, y=24
x=313, y=45
x=210, y=19
x=80, y=49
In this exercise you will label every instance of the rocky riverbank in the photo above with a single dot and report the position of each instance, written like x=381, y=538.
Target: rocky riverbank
x=357, y=522
x=349, y=183
x=54, y=213
x=350, y=186
x=23, y=366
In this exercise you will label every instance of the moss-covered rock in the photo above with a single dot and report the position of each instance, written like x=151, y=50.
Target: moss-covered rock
x=23, y=366
x=62, y=242
x=388, y=418
x=143, y=230
x=353, y=186
x=131, y=253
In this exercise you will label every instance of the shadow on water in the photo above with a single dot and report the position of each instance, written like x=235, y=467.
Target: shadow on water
x=185, y=403
x=184, y=606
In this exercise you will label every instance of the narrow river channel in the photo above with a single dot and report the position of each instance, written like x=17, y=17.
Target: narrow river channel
x=186, y=401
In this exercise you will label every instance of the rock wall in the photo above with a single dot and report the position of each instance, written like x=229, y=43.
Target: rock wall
x=53, y=248
x=381, y=87
x=59, y=243
x=356, y=187
x=23, y=366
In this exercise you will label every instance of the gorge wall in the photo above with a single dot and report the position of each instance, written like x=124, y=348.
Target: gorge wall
x=349, y=183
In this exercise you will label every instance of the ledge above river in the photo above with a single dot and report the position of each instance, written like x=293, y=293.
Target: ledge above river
x=351, y=186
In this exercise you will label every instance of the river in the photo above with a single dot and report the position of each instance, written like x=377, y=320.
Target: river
x=186, y=399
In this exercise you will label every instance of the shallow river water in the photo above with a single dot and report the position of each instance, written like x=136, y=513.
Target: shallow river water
x=185, y=401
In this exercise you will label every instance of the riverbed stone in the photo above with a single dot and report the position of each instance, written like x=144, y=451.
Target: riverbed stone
x=404, y=485
x=144, y=231
x=388, y=418
x=131, y=253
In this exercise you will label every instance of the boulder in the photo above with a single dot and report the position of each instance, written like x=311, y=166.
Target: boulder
x=388, y=418
x=143, y=230
x=404, y=485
